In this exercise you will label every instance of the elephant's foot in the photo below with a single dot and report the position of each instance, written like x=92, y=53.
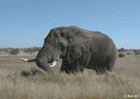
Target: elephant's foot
x=100, y=70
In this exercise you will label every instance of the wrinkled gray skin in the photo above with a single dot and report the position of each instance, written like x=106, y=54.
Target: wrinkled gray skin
x=78, y=49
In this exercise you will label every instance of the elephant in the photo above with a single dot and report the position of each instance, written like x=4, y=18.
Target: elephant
x=79, y=49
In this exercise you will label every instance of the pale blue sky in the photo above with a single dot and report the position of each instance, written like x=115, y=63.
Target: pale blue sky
x=25, y=23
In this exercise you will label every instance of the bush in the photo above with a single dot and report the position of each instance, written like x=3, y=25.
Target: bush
x=36, y=49
x=4, y=50
x=136, y=52
x=31, y=50
x=14, y=51
x=28, y=50
x=121, y=55
x=0, y=49
x=129, y=53
x=121, y=50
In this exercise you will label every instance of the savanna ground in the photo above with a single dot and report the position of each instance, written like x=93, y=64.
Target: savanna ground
x=23, y=80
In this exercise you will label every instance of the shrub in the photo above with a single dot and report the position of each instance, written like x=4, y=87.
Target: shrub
x=36, y=48
x=31, y=50
x=121, y=50
x=136, y=52
x=0, y=49
x=121, y=55
x=28, y=50
x=4, y=50
x=14, y=51
x=129, y=53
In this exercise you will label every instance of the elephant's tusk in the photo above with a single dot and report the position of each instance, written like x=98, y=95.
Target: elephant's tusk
x=24, y=59
x=28, y=60
x=53, y=64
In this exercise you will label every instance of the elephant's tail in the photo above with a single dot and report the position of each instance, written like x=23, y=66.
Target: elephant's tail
x=27, y=60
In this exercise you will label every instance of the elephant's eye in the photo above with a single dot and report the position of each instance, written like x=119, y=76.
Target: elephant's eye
x=62, y=34
x=61, y=46
x=69, y=38
x=56, y=35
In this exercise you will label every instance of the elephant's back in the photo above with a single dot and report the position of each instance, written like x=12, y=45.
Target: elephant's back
x=101, y=44
x=98, y=34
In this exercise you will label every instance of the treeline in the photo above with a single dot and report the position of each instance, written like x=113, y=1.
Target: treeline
x=136, y=51
x=15, y=51
x=129, y=52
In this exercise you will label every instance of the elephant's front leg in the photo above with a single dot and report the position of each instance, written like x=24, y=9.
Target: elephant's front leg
x=83, y=62
x=64, y=67
x=70, y=67
x=78, y=67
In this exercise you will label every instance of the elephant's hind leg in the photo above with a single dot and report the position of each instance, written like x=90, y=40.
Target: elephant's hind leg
x=63, y=66
x=107, y=65
x=100, y=69
x=111, y=59
x=110, y=62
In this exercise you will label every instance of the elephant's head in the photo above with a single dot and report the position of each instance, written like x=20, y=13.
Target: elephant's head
x=63, y=42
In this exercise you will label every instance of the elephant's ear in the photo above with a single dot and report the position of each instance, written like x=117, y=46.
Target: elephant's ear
x=80, y=44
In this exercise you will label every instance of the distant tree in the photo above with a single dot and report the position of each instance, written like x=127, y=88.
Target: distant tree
x=136, y=52
x=128, y=53
x=31, y=50
x=121, y=55
x=0, y=49
x=4, y=50
x=36, y=48
x=14, y=51
x=121, y=50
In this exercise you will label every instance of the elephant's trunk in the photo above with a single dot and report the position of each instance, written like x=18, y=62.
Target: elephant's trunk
x=43, y=64
x=46, y=55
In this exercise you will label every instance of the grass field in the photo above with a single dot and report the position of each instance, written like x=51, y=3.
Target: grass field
x=23, y=80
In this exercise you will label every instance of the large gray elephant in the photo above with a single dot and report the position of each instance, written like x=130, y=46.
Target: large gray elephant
x=78, y=48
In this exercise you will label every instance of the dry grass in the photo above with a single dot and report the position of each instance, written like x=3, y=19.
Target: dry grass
x=22, y=80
